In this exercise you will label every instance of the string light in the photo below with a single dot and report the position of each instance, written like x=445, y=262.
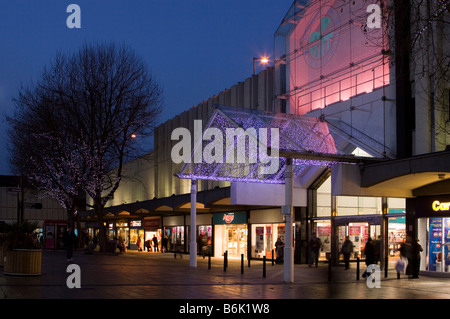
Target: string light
x=297, y=133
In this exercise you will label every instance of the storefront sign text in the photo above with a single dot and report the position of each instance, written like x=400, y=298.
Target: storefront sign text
x=437, y=206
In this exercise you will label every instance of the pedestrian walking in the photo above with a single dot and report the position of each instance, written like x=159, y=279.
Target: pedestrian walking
x=139, y=244
x=369, y=252
x=69, y=240
x=279, y=245
x=164, y=242
x=403, y=266
x=121, y=244
x=148, y=245
x=155, y=243
x=347, y=250
x=315, y=244
x=416, y=249
x=199, y=244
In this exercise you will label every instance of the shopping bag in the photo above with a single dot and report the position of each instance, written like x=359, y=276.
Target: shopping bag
x=401, y=265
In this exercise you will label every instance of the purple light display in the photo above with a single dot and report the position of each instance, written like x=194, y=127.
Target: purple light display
x=296, y=133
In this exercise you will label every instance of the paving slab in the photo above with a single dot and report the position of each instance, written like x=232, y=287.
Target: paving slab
x=167, y=280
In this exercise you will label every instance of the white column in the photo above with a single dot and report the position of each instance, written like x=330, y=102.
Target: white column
x=287, y=210
x=193, y=233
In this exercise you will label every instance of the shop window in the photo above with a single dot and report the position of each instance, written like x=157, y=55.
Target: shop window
x=264, y=238
x=434, y=236
x=322, y=229
x=324, y=199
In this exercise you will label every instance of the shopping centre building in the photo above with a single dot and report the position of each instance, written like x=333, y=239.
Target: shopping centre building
x=362, y=127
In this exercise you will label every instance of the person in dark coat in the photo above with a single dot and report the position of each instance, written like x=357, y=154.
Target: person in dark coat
x=155, y=243
x=315, y=244
x=369, y=251
x=69, y=240
x=406, y=252
x=279, y=246
x=347, y=250
x=416, y=249
x=164, y=242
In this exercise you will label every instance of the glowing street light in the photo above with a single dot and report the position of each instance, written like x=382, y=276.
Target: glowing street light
x=263, y=60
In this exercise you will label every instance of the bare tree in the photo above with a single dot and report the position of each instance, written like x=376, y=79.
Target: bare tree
x=91, y=102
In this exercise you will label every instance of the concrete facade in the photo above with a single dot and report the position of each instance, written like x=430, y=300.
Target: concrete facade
x=36, y=208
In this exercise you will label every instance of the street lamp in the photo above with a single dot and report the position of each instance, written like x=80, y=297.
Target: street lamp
x=262, y=60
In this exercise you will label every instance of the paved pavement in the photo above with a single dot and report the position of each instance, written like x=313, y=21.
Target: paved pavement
x=173, y=283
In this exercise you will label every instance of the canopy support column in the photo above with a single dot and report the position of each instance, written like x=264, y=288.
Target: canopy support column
x=193, y=233
x=288, y=212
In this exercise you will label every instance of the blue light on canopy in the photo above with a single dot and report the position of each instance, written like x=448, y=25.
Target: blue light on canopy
x=301, y=134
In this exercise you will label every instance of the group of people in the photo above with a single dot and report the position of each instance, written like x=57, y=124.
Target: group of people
x=372, y=251
x=151, y=244
x=409, y=262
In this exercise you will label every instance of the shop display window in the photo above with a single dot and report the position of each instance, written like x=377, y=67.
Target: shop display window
x=231, y=238
x=264, y=237
x=322, y=230
x=397, y=235
x=434, y=237
x=358, y=233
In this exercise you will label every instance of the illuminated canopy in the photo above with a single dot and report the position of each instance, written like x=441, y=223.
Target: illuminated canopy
x=306, y=140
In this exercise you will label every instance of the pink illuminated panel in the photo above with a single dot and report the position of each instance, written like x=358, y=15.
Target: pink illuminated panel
x=333, y=55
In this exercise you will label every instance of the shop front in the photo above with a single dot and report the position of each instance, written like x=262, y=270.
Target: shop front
x=136, y=233
x=53, y=234
x=174, y=232
x=433, y=232
x=231, y=234
x=204, y=234
x=267, y=226
x=359, y=218
x=152, y=229
x=123, y=231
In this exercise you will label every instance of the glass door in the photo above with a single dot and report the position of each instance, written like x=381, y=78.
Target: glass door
x=236, y=240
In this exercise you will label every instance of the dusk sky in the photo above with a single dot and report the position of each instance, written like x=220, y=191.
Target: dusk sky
x=195, y=48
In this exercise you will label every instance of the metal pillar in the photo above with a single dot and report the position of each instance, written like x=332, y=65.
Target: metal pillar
x=193, y=233
x=287, y=211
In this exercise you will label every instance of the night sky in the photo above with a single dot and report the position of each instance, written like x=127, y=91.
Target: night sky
x=195, y=48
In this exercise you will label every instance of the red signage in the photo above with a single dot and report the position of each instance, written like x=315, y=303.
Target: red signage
x=151, y=224
x=228, y=218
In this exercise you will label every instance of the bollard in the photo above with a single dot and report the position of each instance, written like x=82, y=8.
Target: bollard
x=329, y=269
x=386, y=262
x=242, y=263
x=357, y=268
x=209, y=260
x=264, y=267
x=273, y=257
x=249, y=262
x=328, y=257
x=225, y=256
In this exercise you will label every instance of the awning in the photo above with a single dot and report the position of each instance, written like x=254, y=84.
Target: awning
x=270, y=139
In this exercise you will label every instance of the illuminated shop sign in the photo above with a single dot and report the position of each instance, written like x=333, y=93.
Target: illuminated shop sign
x=230, y=218
x=432, y=206
x=135, y=223
x=438, y=206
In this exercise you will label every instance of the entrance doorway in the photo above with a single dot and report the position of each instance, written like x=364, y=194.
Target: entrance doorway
x=231, y=238
x=358, y=233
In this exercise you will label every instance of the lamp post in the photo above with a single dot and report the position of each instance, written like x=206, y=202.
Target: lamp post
x=262, y=60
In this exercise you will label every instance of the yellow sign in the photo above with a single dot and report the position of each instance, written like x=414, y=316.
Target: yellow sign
x=440, y=206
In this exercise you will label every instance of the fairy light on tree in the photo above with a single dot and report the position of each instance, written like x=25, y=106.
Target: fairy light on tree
x=87, y=110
